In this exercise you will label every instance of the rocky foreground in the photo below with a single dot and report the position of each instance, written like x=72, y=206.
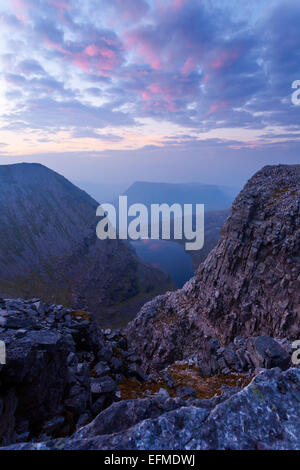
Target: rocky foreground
x=66, y=385
x=206, y=367
x=61, y=370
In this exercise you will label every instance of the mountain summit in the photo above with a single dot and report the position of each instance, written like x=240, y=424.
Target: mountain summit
x=214, y=197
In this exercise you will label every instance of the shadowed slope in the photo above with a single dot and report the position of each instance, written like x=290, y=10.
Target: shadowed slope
x=49, y=248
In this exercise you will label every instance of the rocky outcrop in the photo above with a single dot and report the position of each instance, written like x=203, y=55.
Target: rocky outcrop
x=65, y=386
x=214, y=220
x=61, y=370
x=264, y=415
x=242, y=355
x=249, y=285
x=49, y=249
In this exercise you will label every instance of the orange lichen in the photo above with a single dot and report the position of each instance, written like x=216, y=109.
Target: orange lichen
x=77, y=314
x=207, y=387
x=183, y=375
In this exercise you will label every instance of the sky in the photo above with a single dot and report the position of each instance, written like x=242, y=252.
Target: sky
x=109, y=92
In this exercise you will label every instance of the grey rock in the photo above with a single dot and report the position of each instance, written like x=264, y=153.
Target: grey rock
x=83, y=419
x=101, y=369
x=163, y=391
x=53, y=424
x=186, y=392
x=267, y=352
x=131, y=411
x=116, y=364
x=15, y=323
x=103, y=385
x=98, y=405
x=134, y=370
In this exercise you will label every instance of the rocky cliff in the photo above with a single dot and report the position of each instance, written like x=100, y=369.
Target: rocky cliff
x=248, y=285
x=49, y=248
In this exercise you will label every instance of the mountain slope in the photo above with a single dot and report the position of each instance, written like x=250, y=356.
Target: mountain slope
x=49, y=248
x=248, y=285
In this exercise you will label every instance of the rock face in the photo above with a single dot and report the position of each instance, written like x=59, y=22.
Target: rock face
x=61, y=370
x=249, y=284
x=214, y=220
x=49, y=249
x=264, y=415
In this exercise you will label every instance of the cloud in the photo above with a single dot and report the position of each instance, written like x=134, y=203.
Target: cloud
x=30, y=67
x=48, y=113
x=131, y=10
x=91, y=134
x=194, y=64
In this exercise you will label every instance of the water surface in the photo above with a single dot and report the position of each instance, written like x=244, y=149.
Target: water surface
x=166, y=255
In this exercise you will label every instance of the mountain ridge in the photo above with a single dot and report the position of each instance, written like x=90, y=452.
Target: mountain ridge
x=213, y=196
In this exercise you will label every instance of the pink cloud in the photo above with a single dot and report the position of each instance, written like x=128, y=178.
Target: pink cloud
x=100, y=62
x=165, y=6
x=81, y=60
x=108, y=53
x=159, y=97
x=132, y=10
x=251, y=144
x=225, y=58
x=145, y=95
x=91, y=50
x=189, y=66
x=178, y=4
x=94, y=51
x=217, y=64
x=20, y=9
x=217, y=106
x=61, y=5
x=99, y=59
x=57, y=46
x=144, y=47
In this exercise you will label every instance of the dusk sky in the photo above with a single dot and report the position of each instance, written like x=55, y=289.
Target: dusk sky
x=113, y=91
